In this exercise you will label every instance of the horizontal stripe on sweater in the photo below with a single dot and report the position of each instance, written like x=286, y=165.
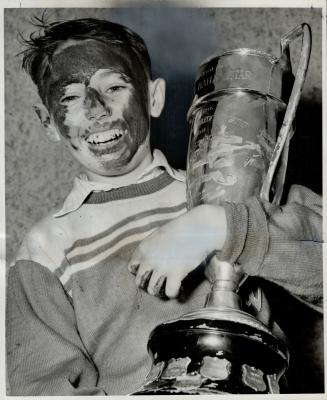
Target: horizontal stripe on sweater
x=87, y=252
x=123, y=223
x=101, y=255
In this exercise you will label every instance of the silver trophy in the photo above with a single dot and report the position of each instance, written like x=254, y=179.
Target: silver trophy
x=241, y=122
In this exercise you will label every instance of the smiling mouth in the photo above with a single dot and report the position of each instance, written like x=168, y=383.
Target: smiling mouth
x=101, y=138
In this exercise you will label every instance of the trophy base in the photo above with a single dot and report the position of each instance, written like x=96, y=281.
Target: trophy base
x=216, y=351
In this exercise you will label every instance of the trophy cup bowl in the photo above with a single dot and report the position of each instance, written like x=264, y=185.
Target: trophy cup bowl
x=240, y=129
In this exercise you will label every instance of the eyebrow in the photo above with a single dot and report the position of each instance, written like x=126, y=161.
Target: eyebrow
x=71, y=80
x=124, y=77
x=65, y=82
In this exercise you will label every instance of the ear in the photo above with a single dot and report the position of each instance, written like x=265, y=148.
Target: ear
x=45, y=118
x=157, y=90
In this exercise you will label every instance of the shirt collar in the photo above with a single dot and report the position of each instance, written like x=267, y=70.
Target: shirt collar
x=83, y=187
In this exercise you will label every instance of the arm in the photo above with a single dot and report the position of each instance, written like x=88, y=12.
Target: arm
x=45, y=354
x=280, y=244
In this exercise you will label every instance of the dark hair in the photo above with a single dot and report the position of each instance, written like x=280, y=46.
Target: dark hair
x=42, y=44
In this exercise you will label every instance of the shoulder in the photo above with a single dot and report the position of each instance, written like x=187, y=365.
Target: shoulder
x=44, y=243
x=304, y=196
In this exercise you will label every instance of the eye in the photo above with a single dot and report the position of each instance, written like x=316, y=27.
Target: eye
x=115, y=88
x=68, y=99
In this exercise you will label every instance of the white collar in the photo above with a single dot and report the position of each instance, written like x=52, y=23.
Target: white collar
x=83, y=187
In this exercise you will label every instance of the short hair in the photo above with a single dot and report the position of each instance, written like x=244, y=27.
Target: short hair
x=42, y=44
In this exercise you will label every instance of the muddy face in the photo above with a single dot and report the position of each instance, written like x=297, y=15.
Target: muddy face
x=98, y=101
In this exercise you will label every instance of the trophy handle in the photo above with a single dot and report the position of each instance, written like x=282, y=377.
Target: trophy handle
x=286, y=130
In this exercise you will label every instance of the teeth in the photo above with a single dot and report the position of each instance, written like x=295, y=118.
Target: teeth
x=107, y=136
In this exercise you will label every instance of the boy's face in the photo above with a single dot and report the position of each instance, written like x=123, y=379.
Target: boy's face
x=100, y=106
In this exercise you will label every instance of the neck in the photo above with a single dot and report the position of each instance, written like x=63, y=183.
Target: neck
x=128, y=178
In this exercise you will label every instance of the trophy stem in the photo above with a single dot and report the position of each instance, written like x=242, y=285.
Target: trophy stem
x=223, y=299
x=225, y=280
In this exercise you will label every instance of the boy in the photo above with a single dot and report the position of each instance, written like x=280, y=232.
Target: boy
x=77, y=324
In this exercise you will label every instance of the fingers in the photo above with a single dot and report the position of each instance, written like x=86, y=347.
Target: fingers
x=163, y=285
x=173, y=287
x=156, y=285
x=155, y=282
x=143, y=277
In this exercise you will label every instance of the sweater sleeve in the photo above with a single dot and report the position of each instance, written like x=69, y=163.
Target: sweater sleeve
x=45, y=355
x=282, y=244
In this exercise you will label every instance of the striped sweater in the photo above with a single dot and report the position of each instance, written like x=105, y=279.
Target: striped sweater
x=76, y=322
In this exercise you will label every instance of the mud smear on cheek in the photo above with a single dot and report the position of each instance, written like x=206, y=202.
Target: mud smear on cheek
x=60, y=112
x=142, y=93
x=76, y=139
x=141, y=97
x=69, y=133
x=137, y=117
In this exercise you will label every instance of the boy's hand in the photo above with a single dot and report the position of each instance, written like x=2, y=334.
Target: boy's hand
x=166, y=257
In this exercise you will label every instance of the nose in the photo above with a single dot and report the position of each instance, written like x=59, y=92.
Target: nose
x=95, y=107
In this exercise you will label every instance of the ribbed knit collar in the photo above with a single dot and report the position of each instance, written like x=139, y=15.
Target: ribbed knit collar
x=131, y=191
x=85, y=191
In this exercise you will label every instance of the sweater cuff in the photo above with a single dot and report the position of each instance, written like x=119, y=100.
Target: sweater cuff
x=247, y=235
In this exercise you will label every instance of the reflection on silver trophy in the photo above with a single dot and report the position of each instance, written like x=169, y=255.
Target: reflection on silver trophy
x=241, y=118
